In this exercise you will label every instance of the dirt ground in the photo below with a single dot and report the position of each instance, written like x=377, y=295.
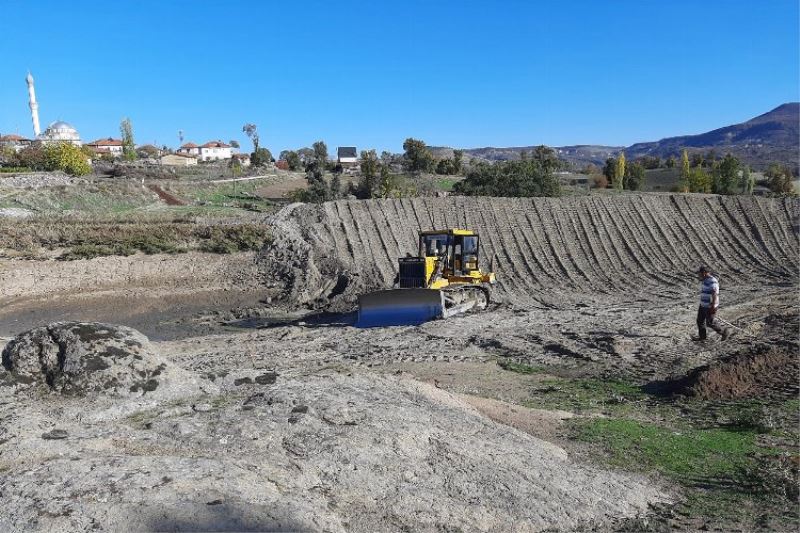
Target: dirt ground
x=428, y=418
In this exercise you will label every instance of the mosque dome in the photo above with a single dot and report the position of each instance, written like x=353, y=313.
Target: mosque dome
x=61, y=131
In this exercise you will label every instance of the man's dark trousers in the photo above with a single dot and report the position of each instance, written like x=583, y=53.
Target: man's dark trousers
x=704, y=318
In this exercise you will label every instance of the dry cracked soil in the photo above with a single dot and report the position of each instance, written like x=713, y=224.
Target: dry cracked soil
x=249, y=401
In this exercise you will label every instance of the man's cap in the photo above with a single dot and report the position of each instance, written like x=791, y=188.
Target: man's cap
x=702, y=269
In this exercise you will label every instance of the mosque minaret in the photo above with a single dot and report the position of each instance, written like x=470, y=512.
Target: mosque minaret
x=33, y=105
x=58, y=131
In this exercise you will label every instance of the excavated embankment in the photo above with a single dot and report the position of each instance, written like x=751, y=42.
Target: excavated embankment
x=545, y=250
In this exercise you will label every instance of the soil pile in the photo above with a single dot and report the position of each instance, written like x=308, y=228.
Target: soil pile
x=543, y=249
x=765, y=373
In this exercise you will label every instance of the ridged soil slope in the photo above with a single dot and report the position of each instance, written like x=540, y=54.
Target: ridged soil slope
x=623, y=247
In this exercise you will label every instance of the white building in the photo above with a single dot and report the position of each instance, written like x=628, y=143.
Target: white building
x=347, y=155
x=109, y=146
x=215, y=150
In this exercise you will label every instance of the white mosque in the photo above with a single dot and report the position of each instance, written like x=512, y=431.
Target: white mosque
x=58, y=131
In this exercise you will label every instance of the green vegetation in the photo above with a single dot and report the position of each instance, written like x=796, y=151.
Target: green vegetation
x=128, y=144
x=228, y=239
x=587, y=395
x=527, y=177
x=735, y=460
x=417, y=156
x=694, y=454
x=520, y=368
x=83, y=238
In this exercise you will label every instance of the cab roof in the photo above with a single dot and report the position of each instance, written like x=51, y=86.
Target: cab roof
x=452, y=231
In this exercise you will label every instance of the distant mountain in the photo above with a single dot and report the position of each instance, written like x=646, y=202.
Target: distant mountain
x=771, y=137
x=578, y=155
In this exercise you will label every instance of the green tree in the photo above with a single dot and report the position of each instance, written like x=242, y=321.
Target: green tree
x=610, y=169
x=128, y=145
x=747, y=181
x=417, y=156
x=510, y=178
x=386, y=183
x=547, y=158
x=305, y=155
x=635, y=176
x=66, y=157
x=781, y=180
x=292, y=159
x=619, y=172
x=458, y=161
x=684, y=183
x=234, y=143
x=670, y=162
x=726, y=175
x=320, y=152
x=700, y=180
x=260, y=157
x=368, y=184
x=445, y=166
x=336, y=186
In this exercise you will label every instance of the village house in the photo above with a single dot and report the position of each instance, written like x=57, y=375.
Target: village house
x=110, y=146
x=15, y=142
x=189, y=149
x=215, y=150
x=244, y=159
x=347, y=155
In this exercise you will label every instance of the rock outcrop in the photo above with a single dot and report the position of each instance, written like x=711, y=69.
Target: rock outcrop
x=87, y=359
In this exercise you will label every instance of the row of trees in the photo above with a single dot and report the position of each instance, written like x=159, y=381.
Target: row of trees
x=725, y=176
x=621, y=175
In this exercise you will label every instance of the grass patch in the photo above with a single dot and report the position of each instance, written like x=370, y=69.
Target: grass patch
x=586, y=395
x=520, y=368
x=697, y=454
x=729, y=475
x=446, y=184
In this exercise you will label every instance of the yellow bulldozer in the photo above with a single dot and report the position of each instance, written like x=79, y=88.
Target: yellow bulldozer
x=443, y=280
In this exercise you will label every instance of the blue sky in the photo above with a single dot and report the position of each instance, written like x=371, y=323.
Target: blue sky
x=370, y=74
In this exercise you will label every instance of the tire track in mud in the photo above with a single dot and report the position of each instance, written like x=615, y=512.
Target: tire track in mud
x=625, y=247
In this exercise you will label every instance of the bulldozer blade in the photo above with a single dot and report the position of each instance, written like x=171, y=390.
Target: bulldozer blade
x=399, y=307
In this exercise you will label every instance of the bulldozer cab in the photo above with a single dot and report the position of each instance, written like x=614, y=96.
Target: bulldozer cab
x=455, y=250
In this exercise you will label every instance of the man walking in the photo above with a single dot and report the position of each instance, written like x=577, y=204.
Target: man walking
x=709, y=303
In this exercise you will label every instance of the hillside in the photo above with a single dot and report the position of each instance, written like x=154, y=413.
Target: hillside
x=773, y=137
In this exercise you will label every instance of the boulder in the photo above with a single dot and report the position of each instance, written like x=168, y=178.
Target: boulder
x=87, y=359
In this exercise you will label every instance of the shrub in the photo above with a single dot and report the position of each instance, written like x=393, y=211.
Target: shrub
x=66, y=157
